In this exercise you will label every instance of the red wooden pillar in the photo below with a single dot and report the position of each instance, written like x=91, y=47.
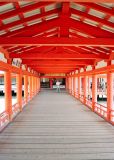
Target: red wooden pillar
x=51, y=83
x=30, y=86
x=94, y=91
x=66, y=83
x=85, y=89
x=26, y=88
x=19, y=90
x=109, y=95
x=8, y=94
x=74, y=85
x=38, y=84
x=35, y=85
x=79, y=86
x=70, y=85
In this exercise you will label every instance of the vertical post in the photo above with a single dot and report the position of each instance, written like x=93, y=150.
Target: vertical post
x=94, y=91
x=38, y=85
x=66, y=83
x=74, y=85
x=8, y=94
x=32, y=79
x=26, y=88
x=30, y=86
x=19, y=90
x=79, y=86
x=35, y=86
x=70, y=85
x=85, y=89
x=109, y=95
x=51, y=84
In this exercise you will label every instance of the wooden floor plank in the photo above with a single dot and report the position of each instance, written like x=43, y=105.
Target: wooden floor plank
x=55, y=126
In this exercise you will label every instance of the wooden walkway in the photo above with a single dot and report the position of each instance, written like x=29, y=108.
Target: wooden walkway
x=55, y=126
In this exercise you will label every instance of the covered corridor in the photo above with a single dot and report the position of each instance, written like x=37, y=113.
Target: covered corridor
x=63, y=44
x=55, y=126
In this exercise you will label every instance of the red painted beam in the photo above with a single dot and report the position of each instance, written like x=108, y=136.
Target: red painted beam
x=52, y=76
x=35, y=29
x=53, y=62
x=56, y=67
x=99, y=7
x=23, y=9
x=88, y=29
x=100, y=1
x=25, y=20
x=58, y=56
x=96, y=19
x=34, y=41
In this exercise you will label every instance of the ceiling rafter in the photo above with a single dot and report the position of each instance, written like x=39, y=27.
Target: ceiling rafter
x=32, y=30
x=85, y=15
x=24, y=9
x=25, y=20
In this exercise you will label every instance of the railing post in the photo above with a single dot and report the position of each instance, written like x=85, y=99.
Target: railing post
x=19, y=90
x=26, y=87
x=94, y=91
x=109, y=95
x=8, y=94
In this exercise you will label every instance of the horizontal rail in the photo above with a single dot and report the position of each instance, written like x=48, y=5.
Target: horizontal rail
x=88, y=102
x=24, y=102
x=15, y=109
x=4, y=120
x=101, y=110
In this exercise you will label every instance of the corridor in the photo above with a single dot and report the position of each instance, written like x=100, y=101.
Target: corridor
x=55, y=126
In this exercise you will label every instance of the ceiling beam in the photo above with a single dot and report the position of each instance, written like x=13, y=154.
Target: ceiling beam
x=35, y=29
x=99, y=7
x=57, y=56
x=100, y=1
x=87, y=29
x=34, y=41
x=53, y=62
x=85, y=15
x=23, y=9
x=25, y=20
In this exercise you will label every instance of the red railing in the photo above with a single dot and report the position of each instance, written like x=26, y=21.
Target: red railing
x=4, y=120
x=88, y=102
x=76, y=94
x=24, y=102
x=81, y=98
x=15, y=109
x=101, y=110
x=29, y=98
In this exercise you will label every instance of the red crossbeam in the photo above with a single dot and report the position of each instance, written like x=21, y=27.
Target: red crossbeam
x=58, y=56
x=34, y=41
